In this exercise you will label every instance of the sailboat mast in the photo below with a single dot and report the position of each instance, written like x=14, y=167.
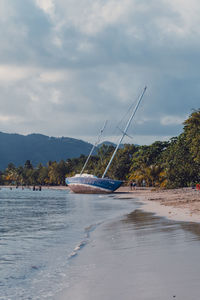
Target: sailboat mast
x=97, y=142
x=125, y=130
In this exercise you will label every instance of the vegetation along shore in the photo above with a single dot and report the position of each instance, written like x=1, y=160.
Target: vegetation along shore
x=169, y=164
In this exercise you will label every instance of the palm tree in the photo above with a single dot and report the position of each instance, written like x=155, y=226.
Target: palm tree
x=154, y=175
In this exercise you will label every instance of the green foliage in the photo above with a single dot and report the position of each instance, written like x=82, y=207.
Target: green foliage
x=154, y=175
x=192, y=135
x=147, y=165
x=120, y=167
x=182, y=170
x=28, y=165
x=148, y=155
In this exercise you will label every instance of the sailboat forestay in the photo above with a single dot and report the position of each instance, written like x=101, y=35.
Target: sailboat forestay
x=90, y=184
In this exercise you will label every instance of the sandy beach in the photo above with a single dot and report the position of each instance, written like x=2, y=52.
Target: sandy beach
x=177, y=204
x=140, y=256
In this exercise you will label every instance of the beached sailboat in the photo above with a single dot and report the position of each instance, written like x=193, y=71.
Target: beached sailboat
x=90, y=184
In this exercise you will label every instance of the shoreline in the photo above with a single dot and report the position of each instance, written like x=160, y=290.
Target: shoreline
x=44, y=187
x=181, y=204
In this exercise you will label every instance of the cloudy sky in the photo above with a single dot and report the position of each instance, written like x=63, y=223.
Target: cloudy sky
x=68, y=65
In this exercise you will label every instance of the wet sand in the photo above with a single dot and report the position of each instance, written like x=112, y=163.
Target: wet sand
x=176, y=204
x=138, y=257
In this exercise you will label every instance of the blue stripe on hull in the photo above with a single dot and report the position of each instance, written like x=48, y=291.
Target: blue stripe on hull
x=92, y=185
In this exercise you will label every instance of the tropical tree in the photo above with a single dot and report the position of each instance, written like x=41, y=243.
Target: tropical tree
x=148, y=155
x=57, y=173
x=154, y=175
x=10, y=174
x=43, y=178
x=120, y=167
x=192, y=135
x=180, y=166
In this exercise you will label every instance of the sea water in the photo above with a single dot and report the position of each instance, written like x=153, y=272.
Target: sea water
x=42, y=232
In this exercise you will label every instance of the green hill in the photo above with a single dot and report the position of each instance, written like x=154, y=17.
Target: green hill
x=38, y=148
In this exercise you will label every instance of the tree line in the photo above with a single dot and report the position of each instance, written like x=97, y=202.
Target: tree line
x=168, y=164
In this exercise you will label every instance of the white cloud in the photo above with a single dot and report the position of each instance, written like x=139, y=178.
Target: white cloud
x=9, y=73
x=56, y=97
x=181, y=19
x=47, y=6
x=9, y=118
x=6, y=10
x=53, y=76
x=172, y=120
x=89, y=16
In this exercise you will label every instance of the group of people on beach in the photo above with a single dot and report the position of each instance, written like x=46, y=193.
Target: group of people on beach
x=132, y=185
x=34, y=188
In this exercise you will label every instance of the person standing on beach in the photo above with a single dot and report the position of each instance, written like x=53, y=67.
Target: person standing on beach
x=131, y=185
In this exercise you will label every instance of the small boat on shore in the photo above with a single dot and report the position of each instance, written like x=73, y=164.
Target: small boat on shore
x=90, y=184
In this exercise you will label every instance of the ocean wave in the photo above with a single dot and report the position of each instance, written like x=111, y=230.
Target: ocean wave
x=77, y=248
x=84, y=242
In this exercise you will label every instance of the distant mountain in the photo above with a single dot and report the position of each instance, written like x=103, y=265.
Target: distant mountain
x=107, y=143
x=38, y=148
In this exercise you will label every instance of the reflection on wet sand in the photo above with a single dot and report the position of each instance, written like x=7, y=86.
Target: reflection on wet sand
x=140, y=220
x=140, y=257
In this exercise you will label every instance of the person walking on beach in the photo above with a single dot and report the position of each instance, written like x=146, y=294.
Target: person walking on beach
x=131, y=185
x=134, y=185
